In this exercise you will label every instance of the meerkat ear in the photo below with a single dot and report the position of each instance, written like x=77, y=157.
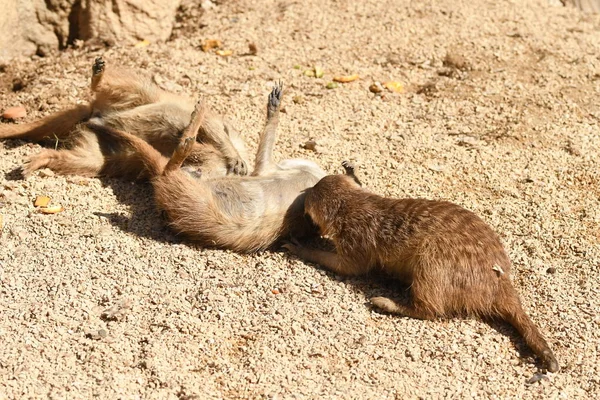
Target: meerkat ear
x=350, y=168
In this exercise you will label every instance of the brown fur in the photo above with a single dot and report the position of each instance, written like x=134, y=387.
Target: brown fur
x=454, y=262
x=124, y=100
x=239, y=213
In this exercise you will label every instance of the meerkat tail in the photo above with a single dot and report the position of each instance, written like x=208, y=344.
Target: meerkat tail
x=513, y=313
x=153, y=161
x=532, y=336
x=57, y=125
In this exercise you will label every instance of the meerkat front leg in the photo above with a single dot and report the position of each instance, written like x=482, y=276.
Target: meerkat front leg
x=350, y=168
x=264, y=155
x=328, y=260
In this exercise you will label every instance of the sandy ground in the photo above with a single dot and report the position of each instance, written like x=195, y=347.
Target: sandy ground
x=499, y=114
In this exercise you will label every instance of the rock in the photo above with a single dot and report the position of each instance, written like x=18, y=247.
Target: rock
x=40, y=27
x=131, y=21
x=376, y=88
x=14, y=113
x=587, y=6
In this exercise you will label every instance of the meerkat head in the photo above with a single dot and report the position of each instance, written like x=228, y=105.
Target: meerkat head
x=324, y=200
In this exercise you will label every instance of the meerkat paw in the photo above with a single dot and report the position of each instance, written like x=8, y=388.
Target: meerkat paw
x=35, y=162
x=385, y=304
x=98, y=66
x=275, y=97
x=349, y=167
x=237, y=166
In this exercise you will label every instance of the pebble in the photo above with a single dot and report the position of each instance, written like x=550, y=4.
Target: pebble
x=376, y=88
x=14, y=113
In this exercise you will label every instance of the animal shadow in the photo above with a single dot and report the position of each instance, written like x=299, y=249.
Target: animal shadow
x=145, y=220
x=379, y=284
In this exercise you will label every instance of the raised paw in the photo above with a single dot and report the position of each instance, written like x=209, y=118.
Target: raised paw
x=187, y=143
x=348, y=167
x=237, y=166
x=275, y=96
x=98, y=66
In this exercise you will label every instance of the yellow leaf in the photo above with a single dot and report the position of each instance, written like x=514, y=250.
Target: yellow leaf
x=210, y=44
x=346, y=79
x=52, y=209
x=143, y=43
x=41, y=201
x=319, y=72
x=394, y=86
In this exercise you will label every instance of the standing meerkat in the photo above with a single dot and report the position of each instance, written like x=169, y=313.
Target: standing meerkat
x=125, y=100
x=240, y=213
x=453, y=262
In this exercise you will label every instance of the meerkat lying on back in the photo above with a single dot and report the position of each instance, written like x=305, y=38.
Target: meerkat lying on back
x=454, y=262
x=124, y=100
x=241, y=213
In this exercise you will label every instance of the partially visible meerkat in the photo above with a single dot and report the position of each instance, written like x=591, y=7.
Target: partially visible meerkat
x=240, y=213
x=125, y=100
x=453, y=262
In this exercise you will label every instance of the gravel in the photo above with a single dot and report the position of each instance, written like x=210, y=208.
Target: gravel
x=499, y=114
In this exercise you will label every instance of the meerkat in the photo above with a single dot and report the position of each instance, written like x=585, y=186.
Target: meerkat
x=240, y=213
x=125, y=100
x=453, y=262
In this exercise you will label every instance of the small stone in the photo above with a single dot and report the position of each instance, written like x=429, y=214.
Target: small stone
x=551, y=270
x=310, y=145
x=376, y=88
x=15, y=113
x=102, y=333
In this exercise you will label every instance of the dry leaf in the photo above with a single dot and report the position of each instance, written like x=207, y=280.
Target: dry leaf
x=252, y=49
x=346, y=79
x=210, y=44
x=224, y=53
x=319, y=72
x=394, y=86
x=41, y=201
x=52, y=209
x=14, y=113
x=143, y=43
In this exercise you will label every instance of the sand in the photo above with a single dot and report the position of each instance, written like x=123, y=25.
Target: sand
x=498, y=113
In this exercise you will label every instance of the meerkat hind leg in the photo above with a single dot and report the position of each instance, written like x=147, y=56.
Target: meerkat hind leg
x=188, y=139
